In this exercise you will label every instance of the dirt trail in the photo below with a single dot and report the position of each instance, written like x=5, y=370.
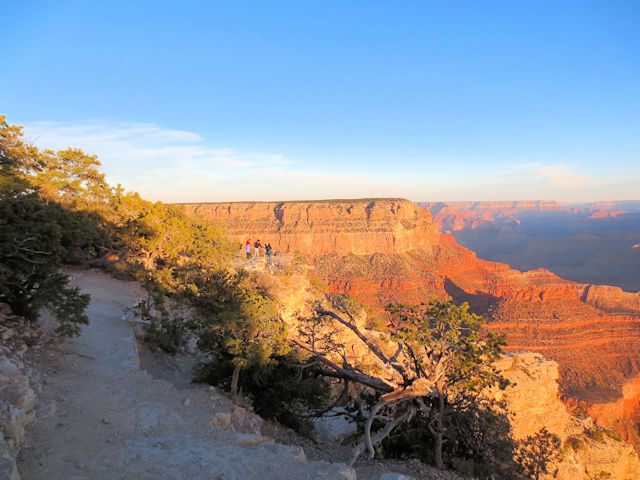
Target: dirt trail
x=114, y=421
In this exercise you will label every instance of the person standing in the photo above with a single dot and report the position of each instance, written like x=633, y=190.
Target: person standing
x=248, y=249
x=269, y=252
x=256, y=248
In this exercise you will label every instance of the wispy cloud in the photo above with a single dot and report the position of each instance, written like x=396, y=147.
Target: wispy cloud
x=559, y=175
x=181, y=166
x=150, y=158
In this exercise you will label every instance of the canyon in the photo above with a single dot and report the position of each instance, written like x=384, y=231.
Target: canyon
x=391, y=250
x=587, y=243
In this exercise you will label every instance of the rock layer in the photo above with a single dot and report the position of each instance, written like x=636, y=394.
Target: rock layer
x=454, y=216
x=340, y=227
x=588, y=243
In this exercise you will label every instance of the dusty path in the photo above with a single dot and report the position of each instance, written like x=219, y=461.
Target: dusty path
x=114, y=421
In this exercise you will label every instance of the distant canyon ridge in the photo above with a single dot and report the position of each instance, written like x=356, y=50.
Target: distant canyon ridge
x=590, y=243
x=392, y=250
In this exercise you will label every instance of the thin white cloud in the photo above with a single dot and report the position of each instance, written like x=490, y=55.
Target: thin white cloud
x=149, y=158
x=559, y=175
x=182, y=166
x=528, y=165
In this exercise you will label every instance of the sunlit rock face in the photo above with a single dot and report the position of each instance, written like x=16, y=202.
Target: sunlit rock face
x=621, y=414
x=390, y=250
x=533, y=403
x=360, y=227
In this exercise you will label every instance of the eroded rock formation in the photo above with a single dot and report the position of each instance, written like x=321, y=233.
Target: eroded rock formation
x=589, y=451
x=588, y=243
x=453, y=216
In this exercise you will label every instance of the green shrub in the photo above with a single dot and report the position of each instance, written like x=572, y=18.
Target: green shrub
x=580, y=412
x=611, y=433
x=596, y=434
x=575, y=443
x=283, y=390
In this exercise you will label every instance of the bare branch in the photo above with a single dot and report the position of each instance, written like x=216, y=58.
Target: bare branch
x=347, y=371
x=372, y=346
x=382, y=434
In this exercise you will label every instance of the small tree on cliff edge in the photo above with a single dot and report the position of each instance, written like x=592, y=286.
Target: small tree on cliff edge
x=239, y=321
x=439, y=352
x=445, y=341
x=537, y=452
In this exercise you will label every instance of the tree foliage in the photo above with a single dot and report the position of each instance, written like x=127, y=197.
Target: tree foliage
x=35, y=238
x=57, y=209
x=538, y=452
x=446, y=341
x=285, y=389
x=238, y=320
x=436, y=352
x=477, y=439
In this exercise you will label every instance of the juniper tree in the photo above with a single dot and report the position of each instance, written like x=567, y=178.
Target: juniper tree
x=438, y=351
x=537, y=452
x=239, y=321
x=35, y=238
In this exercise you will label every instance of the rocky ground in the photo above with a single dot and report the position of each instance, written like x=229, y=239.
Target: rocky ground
x=103, y=417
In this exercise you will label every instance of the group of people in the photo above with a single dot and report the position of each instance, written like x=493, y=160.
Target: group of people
x=254, y=251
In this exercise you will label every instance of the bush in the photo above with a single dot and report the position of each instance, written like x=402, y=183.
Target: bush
x=596, y=434
x=283, y=390
x=478, y=441
x=580, y=412
x=32, y=249
x=167, y=328
x=538, y=452
x=612, y=434
x=574, y=443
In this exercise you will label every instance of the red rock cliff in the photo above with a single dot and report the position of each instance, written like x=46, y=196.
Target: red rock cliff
x=361, y=227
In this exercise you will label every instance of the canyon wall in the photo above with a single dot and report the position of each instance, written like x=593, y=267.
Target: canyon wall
x=339, y=227
x=453, y=216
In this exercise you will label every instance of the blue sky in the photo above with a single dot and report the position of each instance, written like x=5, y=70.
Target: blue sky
x=434, y=101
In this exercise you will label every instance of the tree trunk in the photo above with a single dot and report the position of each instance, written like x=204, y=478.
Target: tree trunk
x=439, y=431
x=234, y=380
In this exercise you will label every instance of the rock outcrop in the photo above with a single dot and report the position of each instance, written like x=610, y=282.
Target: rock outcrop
x=588, y=451
x=18, y=390
x=622, y=415
x=611, y=299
